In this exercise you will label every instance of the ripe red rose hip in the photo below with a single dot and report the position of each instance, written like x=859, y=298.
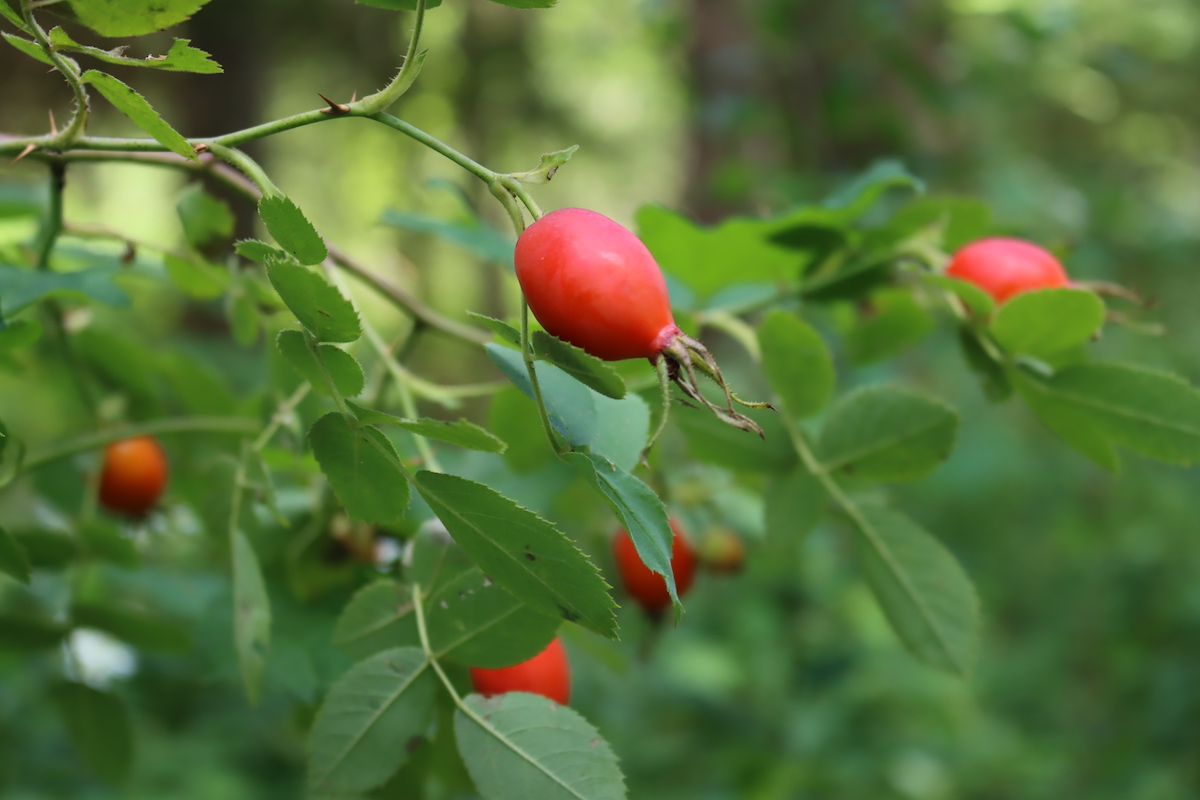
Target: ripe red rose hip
x=592, y=283
x=547, y=674
x=1005, y=267
x=645, y=585
x=133, y=476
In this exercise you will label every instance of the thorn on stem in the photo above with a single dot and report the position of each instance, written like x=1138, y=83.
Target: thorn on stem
x=29, y=148
x=53, y=124
x=334, y=108
x=200, y=147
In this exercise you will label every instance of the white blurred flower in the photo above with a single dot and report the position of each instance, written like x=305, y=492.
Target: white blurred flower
x=97, y=659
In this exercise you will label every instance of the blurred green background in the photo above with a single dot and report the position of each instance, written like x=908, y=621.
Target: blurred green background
x=1076, y=120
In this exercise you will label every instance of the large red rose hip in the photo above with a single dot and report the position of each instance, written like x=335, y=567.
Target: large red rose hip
x=1005, y=267
x=645, y=585
x=547, y=673
x=591, y=282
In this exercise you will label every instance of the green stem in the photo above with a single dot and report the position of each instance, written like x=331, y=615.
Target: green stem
x=423, y=634
x=409, y=303
x=220, y=172
x=48, y=236
x=282, y=414
x=431, y=659
x=527, y=356
x=70, y=72
x=510, y=204
x=409, y=406
x=474, y=167
x=518, y=190
x=314, y=347
x=402, y=385
x=664, y=384
x=91, y=441
x=385, y=97
x=850, y=508
x=224, y=174
x=53, y=224
x=248, y=166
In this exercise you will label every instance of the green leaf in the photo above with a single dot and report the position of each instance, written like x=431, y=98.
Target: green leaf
x=1154, y=414
x=317, y=304
x=134, y=106
x=978, y=302
x=991, y=372
x=638, y=509
x=104, y=540
x=1048, y=321
x=28, y=632
x=922, y=589
x=196, y=277
x=502, y=329
x=961, y=219
x=29, y=48
x=196, y=386
x=583, y=367
x=461, y=434
x=99, y=725
x=514, y=418
x=474, y=236
x=342, y=368
x=886, y=433
x=890, y=322
x=861, y=194
x=23, y=287
x=19, y=333
x=13, y=561
x=522, y=552
x=362, y=467
x=204, y=217
x=797, y=363
x=123, y=360
x=379, y=617
x=550, y=162
x=259, y=252
x=622, y=429
x=1062, y=416
x=182, y=57
x=12, y=16
x=472, y=621
x=436, y=557
x=519, y=746
x=370, y=721
x=48, y=549
x=142, y=630
x=251, y=615
x=243, y=316
x=709, y=259
x=133, y=17
x=795, y=503
x=292, y=229
x=571, y=405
